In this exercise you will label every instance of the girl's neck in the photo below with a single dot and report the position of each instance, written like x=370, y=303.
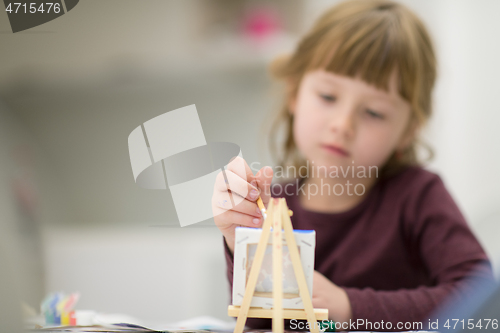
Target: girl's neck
x=334, y=195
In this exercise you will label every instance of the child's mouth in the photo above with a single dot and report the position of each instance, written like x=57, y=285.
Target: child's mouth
x=335, y=150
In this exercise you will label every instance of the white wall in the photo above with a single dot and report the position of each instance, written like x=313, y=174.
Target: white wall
x=30, y=196
x=78, y=92
x=468, y=118
x=157, y=274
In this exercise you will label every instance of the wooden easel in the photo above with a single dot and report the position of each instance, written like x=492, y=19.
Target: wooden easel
x=278, y=217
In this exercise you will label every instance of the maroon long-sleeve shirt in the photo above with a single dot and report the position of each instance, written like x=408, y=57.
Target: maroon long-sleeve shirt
x=398, y=254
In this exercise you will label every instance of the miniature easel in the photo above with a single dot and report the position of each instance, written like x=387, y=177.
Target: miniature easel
x=278, y=217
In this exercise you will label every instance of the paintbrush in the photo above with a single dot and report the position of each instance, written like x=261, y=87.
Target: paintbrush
x=263, y=208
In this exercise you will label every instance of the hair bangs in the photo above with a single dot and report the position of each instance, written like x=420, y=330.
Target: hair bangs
x=369, y=48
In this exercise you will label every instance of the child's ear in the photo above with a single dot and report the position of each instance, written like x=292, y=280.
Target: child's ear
x=410, y=134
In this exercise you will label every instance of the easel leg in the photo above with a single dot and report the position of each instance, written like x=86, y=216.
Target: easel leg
x=254, y=273
x=299, y=272
x=277, y=269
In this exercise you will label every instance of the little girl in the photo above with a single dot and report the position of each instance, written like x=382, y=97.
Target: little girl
x=391, y=243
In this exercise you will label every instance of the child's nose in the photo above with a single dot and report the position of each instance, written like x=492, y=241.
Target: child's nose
x=343, y=122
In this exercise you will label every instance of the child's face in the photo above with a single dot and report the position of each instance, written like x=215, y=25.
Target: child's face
x=339, y=120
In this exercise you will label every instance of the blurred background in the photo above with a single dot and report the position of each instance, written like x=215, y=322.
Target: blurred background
x=72, y=90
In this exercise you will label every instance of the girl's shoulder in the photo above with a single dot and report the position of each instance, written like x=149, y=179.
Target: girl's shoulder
x=411, y=179
x=408, y=197
x=412, y=191
x=419, y=193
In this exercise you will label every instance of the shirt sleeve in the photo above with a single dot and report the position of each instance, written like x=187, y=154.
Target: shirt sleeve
x=229, y=265
x=436, y=233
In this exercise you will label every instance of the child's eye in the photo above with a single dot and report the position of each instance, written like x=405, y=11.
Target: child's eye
x=327, y=97
x=374, y=114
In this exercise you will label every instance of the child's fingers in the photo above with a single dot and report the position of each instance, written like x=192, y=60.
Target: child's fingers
x=264, y=178
x=240, y=219
x=245, y=207
x=229, y=181
x=240, y=167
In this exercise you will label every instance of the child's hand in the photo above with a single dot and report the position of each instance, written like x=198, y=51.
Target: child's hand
x=246, y=212
x=327, y=295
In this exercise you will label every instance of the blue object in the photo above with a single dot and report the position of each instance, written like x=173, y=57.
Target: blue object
x=477, y=313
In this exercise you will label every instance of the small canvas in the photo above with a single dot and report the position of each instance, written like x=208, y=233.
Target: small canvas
x=246, y=241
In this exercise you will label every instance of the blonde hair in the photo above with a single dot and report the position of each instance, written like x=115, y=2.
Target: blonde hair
x=369, y=39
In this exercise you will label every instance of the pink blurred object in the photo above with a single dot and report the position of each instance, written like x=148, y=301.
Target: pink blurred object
x=260, y=23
